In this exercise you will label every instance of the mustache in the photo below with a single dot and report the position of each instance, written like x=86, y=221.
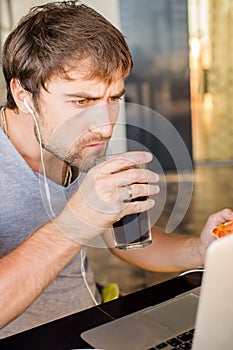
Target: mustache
x=79, y=142
x=85, y=141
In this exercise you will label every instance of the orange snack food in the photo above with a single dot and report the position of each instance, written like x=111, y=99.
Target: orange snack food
x=223, y=230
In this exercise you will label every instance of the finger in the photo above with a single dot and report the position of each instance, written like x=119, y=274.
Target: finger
x=220, y=217
x=137, y=190
x=125, y=193
x=227, y=214
x=137, y=206
x=138, y=175
x=217, y=219
x=123, y=161
x=133, y=176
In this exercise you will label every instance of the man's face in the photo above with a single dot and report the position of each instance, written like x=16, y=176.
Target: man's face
x=77, y=117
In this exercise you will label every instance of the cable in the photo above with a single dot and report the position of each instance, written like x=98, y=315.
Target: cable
x=83, y=272
x=48, y=196
x=190, y=271
x=47, y=191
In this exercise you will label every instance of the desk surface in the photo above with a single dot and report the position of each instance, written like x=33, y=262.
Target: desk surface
x=64, y=334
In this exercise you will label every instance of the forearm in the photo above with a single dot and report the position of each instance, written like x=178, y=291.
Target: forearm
x=168, y=252
x=28, y=270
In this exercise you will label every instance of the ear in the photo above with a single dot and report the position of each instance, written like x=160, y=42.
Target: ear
x=19, y=94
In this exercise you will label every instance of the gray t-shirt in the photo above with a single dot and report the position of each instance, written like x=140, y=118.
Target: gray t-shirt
x=23, y=210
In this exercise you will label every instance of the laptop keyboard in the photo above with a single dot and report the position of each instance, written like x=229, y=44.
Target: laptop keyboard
x=182, y=341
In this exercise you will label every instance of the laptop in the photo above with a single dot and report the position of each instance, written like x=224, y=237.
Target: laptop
x=204, y=314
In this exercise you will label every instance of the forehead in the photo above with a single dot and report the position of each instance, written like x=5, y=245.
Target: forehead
x=75, y=81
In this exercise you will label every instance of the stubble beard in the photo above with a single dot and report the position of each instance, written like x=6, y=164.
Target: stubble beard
x=84, y=162
x=76, y=156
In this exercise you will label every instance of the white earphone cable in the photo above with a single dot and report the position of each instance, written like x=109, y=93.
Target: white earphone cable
x=47, y=191
x=190, y=271
x=48, y=196
x=83, y=272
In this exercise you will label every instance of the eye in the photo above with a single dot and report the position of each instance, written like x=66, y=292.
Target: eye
x=82, y=102
x=114, y=99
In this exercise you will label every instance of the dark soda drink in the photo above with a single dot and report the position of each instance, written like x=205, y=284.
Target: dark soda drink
x=133, y=231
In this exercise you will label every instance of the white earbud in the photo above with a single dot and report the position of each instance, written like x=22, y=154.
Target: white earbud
x=29, y=109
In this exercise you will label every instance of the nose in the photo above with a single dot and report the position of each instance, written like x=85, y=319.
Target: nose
x=103, y=120
x=104, y=129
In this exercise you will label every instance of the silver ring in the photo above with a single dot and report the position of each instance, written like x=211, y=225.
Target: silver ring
x=130, y=193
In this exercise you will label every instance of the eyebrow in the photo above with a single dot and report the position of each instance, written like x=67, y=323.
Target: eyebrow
x=87, y=96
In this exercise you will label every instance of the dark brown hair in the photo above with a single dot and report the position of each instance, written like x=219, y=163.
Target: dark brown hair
x=56, y=37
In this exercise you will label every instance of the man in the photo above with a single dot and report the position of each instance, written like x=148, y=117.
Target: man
x=64, y=62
